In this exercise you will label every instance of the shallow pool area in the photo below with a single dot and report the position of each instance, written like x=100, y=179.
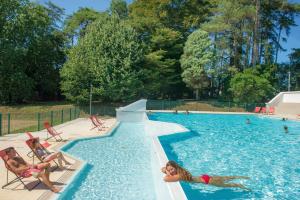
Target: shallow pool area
x=118, y=166
x=223, y=144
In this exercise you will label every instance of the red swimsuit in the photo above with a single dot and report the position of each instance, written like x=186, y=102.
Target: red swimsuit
x=205, y=178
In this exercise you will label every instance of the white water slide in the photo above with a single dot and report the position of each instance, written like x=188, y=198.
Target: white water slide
x=286, y=103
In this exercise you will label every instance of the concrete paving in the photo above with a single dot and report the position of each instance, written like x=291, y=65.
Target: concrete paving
x=79, y=128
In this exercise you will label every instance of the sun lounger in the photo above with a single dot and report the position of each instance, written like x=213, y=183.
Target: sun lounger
x=263, y=110
x=19, y=177
x=96, y=123
x=53, y=133
x=30, y=145
x=271, y=111
x=45, y=144
x=100, y=121
x=257, y=109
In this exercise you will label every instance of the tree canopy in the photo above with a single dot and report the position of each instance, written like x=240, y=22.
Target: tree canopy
x=249, y=87
x=108, y=58
x=32, y=51
x=196, y=59
x=144, y=49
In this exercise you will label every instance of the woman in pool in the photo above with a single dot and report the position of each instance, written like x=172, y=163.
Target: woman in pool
x=174, y=173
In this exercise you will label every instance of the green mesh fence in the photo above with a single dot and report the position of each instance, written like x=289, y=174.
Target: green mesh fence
x=22, y=122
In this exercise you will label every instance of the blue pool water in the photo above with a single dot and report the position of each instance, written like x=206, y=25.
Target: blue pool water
x=118, y=166
x=225, y=145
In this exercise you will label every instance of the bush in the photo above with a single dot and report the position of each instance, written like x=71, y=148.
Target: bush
x=250, y=87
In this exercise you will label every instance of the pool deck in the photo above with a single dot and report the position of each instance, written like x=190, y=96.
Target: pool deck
x=79, y=128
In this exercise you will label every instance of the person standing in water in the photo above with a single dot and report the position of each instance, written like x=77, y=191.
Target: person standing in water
x=248, y=121
x=286, y=129
x=174, y=173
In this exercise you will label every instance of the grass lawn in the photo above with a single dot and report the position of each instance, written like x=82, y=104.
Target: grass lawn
x=30, y=117
x=36, y=107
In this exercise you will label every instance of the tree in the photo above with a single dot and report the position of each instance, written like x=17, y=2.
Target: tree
x=250, y=87
x=119, y=8
x=32, y=50
x=295, y=69
x=197, y=57
x=108, y=57
x=76, y=24
x=164, y=26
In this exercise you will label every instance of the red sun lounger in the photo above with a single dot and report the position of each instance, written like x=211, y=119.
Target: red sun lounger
x=29, y=143
x=53, y=133
x=263, y=110
x=271, y=111
x=19, y=177
x=45, y=144
x=97, y=124
x=257, y=109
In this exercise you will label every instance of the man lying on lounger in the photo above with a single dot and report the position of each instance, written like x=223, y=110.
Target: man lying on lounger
x=22, y=168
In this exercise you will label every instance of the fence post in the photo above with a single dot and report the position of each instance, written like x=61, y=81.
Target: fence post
x=51, y=118
x=0, y=124
x=229, y=106
x=70, y=114
x=74, y=112
x=39, y=120
x=8, y=123
x=62, y=116
x=77, y=111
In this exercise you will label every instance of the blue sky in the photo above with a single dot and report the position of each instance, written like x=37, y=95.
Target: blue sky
x=71, y=6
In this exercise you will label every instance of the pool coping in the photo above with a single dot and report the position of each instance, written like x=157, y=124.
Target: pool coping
x=174, y=188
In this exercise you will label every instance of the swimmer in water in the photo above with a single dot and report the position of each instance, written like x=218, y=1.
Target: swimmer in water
x=286, y=129
x=174, y=173
x=248, y=121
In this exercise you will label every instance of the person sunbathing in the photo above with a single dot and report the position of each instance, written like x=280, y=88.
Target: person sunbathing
x=174, y=173
x=47, y=156
x=22, y=168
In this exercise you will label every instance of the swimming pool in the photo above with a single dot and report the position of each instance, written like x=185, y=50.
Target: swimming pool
x=118, y=166
x=223, y=144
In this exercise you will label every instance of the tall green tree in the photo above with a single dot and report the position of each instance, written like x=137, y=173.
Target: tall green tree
x=164, y=26
x=119, y=8
x=107, y=57
x=294, y=69
x=31, y=51
x=197, y=57
x=250, y=87
x=246, y=34
x=76, y=24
